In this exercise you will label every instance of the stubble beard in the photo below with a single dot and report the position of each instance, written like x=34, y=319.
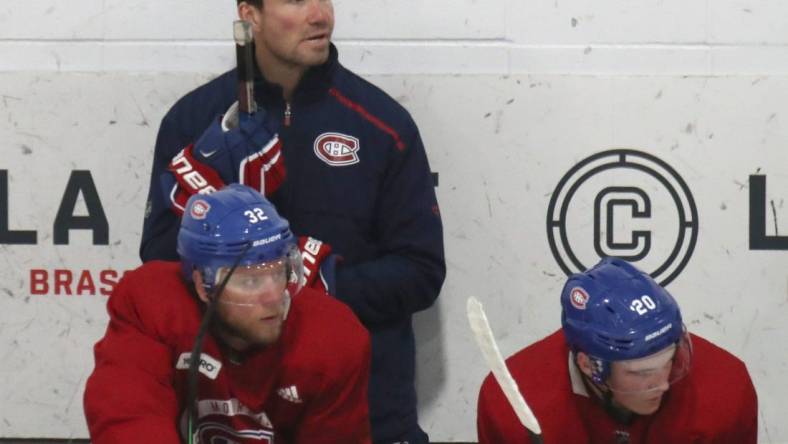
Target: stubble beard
x=304, y=59
x=253, y=337
x=300, y=57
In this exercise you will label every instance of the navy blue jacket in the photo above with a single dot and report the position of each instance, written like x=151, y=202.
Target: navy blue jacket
x=379, y=214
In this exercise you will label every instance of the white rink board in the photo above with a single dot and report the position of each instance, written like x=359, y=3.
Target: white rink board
x=500, y=145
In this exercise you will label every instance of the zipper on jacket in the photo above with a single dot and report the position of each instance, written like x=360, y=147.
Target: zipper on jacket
x=288, y=114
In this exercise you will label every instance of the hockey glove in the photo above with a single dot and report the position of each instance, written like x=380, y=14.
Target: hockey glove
x=319, y=264
x=235, y=148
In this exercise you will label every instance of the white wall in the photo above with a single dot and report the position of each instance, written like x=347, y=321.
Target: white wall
x=509, y=95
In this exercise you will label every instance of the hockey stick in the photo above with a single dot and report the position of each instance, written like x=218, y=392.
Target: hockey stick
x=244, y=55
x=484, y=337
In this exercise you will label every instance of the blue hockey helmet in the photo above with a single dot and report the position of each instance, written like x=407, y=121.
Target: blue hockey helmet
x=615, y=312
x=217, y=228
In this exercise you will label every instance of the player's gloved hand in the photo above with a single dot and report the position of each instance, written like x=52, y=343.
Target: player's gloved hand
x=236, y=147
x=319, y=264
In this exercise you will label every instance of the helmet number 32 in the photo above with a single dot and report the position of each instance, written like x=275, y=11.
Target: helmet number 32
x=255, y=215
x=643, y=305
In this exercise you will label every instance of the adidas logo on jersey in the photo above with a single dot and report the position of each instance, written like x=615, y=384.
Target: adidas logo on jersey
x=290, y=394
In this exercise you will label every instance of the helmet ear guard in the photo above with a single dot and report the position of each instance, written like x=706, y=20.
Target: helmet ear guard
x=600, y=369
x=295, y=270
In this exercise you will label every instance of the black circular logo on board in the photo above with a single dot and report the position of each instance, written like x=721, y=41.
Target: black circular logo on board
x=623, y=203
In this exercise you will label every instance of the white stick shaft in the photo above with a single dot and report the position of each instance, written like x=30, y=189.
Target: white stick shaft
x=484, y=337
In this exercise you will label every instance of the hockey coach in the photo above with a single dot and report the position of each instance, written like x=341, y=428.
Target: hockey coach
x=341, y=160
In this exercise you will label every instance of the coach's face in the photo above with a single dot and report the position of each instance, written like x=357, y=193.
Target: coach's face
x=291, y=33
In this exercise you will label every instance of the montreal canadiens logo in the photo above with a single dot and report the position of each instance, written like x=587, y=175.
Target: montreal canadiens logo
x=337, y=149
x=579, y=298
x=200, y=209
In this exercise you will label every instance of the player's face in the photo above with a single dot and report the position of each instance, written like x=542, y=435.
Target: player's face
x=640, y=384
x=293, y=33
x=254, y=301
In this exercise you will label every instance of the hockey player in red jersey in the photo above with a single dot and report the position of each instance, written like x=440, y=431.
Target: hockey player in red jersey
x=623, y=369
x=279, y=363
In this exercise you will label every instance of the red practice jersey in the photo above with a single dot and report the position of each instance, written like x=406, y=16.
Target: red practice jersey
x=308, y=387
x=715, y=403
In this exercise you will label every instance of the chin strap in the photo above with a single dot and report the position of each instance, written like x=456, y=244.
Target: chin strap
x=621, y=415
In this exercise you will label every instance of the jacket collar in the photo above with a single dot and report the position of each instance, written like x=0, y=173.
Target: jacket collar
x=313, y=85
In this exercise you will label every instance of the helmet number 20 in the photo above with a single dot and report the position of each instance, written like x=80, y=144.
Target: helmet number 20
x=255, y=215
x=643, y=305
